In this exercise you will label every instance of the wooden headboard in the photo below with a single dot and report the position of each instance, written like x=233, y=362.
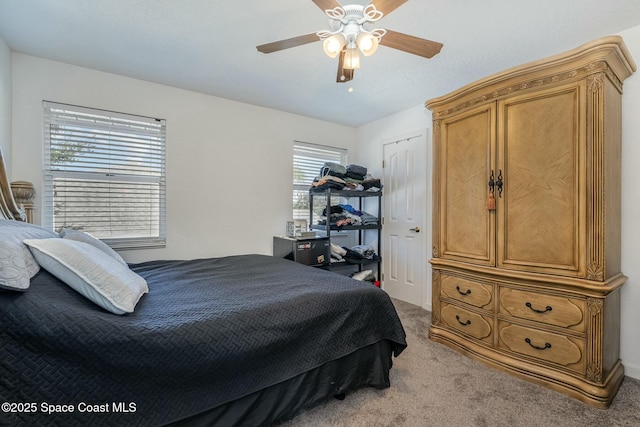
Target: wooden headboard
x=9, y=208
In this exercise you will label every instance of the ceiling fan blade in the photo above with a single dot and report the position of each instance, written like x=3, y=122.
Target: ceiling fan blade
x=344, y=75
x=388, y=6
x=326, y=4
x=288, y=43
x=411, y=44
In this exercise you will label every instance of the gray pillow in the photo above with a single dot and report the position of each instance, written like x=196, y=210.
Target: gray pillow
x=81, y=236
x=17, y=265
x=94, y=274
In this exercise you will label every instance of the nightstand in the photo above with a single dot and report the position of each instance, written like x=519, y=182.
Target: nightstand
x=314, y=251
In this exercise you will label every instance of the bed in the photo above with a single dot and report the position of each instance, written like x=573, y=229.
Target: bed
x=237, y=340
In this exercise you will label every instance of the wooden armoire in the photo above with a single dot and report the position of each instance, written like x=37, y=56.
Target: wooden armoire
x=526, y=220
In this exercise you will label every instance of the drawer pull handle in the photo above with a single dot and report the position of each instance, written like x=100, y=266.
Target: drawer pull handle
x=549, y=308
x=546, y=345
x=499, y=183
x=463, y=293
x=467, y=323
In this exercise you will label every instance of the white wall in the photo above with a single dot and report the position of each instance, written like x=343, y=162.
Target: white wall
x=630, y=344
x=371, y=136
x=229, y=182
x=5, y=103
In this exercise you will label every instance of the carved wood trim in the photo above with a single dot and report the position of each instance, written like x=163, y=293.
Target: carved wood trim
x=514, y=89
x=24, y=194
x=9, y=209
x=435, y=304
x=594, y=344
x=607, y=55
x=595, y=177
x=435, y=228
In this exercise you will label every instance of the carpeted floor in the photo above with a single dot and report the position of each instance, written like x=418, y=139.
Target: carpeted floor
x=432, y=385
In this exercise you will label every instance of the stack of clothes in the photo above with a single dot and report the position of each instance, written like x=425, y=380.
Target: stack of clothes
x=341, y=215
x=365, y=276
x=338, y=177
x=355, y=255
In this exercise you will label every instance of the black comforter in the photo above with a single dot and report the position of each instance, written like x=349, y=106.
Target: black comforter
x=209, y=331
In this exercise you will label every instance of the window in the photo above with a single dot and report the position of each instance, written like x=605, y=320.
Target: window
x=104, y=173
x=308, y=159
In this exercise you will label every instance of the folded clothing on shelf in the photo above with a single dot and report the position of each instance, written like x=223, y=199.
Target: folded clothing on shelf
x=357, y=170
x=334, y=169
x=341, y=215
x=364, y=276
x=373, y=184
x=323, y=183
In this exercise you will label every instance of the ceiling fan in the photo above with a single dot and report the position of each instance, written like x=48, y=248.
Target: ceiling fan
x=347, y=36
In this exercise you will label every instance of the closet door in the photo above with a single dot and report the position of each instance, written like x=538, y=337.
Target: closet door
x=466, y=144
x=541, y=152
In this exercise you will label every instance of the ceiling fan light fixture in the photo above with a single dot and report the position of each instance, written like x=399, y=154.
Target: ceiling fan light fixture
x=349, y=35
x=367, y=43
x=333, y=45
x=351, y=59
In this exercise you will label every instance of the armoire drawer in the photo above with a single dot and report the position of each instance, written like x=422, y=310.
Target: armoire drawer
x=553, y=310
x=562, y=350
x=472, y=324
x=468, y=291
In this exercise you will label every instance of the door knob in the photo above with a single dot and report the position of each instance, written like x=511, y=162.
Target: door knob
x=417, y=229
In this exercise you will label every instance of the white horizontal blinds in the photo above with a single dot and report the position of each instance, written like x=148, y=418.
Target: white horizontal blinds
x=104, y=173
x=308, y=160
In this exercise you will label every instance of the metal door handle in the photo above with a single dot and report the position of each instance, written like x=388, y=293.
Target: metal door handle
x=499, y=183
x=417, y=229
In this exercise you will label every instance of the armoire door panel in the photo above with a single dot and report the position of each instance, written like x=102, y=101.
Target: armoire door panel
x=467, y=229
x=541, y=212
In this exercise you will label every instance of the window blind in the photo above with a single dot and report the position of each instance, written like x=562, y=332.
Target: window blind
x=308, y=159
x=104, y=173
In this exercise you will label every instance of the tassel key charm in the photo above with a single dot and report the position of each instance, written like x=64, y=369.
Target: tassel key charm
x=491, y=203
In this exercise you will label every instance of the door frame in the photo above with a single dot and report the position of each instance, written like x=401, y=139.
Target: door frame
x=426, y=137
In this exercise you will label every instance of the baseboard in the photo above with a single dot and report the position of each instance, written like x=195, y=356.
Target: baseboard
x=632, y=371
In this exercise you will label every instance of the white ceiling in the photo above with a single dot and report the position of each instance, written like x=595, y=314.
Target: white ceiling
x=209, y=46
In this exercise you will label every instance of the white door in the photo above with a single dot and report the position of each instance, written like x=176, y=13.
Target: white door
x=404, y=229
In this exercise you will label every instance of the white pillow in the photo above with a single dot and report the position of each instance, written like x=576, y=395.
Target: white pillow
x=91, y=272
x=82, y=236
x=17, y=265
